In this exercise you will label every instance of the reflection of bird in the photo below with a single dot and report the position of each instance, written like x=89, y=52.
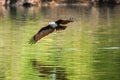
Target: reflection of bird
x=49, y=29
x=55, y=71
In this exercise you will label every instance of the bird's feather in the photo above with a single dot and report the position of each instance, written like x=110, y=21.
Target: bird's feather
x=61, y=28
x=63, y=21
x=41, y=33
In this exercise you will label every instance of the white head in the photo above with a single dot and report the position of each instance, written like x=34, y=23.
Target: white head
x=53, y=24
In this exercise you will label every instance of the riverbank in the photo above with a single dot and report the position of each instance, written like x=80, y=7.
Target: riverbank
x=58, y=2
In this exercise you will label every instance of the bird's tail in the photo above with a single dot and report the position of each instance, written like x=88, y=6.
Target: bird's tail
x=32, y=40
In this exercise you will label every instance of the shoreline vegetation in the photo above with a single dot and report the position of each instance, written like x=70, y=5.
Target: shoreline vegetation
x=29, y=3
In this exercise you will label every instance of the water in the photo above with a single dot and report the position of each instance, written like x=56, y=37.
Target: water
x=89, y=49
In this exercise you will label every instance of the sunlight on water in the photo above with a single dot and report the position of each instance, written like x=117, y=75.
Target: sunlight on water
x=87, y=50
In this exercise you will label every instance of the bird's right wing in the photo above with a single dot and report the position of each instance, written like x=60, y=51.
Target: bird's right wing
x=42, y=33
x=60, y=21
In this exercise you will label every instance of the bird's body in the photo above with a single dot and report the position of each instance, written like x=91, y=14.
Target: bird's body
x=49, y=29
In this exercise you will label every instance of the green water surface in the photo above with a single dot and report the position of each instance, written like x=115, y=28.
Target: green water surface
x=89, y=49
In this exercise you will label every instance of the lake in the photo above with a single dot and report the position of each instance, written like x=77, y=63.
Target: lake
x=89, y=49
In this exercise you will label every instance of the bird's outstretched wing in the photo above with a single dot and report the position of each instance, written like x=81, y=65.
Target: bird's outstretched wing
x=41, y=33
x=60, y=21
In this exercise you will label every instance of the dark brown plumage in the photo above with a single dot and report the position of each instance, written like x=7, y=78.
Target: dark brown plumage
x=49, y=29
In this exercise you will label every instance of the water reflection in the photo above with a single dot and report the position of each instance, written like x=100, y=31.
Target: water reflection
x=88, y=49
x=53, y=71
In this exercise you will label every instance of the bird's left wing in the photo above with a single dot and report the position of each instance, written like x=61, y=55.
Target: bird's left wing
x=42, y=33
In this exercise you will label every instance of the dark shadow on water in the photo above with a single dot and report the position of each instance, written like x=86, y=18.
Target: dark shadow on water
x=54, y=71
x=27, y=4
x=13, y=12
x=106, y=5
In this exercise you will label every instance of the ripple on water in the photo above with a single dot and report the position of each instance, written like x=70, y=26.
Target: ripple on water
x=109, y=48
x=71, y=49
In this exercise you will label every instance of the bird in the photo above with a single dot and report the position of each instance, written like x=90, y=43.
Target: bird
x=51, y=27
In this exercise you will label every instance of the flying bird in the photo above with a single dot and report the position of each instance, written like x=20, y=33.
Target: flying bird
x=57, y=25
